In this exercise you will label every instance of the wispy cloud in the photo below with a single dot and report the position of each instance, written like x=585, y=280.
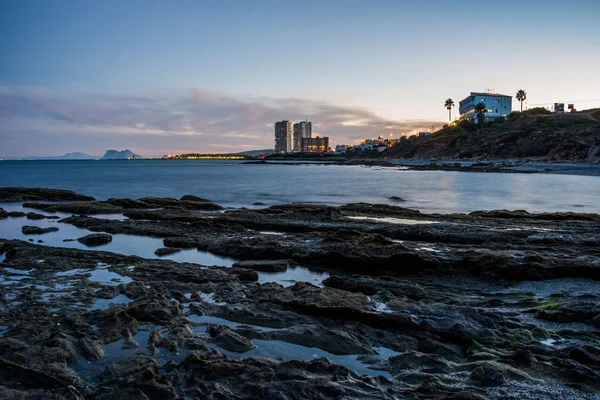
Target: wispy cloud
x=201, y=120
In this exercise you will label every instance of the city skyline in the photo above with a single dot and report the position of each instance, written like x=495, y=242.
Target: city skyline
x=159, y=77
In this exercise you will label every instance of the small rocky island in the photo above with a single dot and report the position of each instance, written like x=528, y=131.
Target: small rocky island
x=488, y=305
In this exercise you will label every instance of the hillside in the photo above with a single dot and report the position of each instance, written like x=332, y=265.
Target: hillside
x=551, y=137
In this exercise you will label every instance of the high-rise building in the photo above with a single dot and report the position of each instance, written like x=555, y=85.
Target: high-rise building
x=283, y=136
x=315, y=145
x=302, y=130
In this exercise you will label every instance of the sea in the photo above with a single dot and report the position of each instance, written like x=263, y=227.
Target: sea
x=237, y=184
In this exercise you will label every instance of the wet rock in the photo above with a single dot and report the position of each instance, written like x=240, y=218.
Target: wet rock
x=258, y=203
x=36, y=216
x=229, y=340
x=13, y=194
x=36, y=230
x=95, y=239
x=180, y=242
x=91, y=349
x=164, y=251
x=3, y=213
x=266, y=265
x=244, y=275
x=95, y=207
x=157, y=310
x=396, y=198
x=487, y=376
x=130, y=369
x=335, y=342
x=190, y=197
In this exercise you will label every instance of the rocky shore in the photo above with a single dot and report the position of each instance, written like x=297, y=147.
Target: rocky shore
x=487, y=305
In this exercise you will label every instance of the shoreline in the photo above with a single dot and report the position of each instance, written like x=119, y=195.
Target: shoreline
x=363, y=300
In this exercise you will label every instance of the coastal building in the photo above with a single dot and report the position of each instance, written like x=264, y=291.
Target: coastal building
x=314, y=145
x=497, y=106
x=283, y=137
x=302, y=130
x=341, y=148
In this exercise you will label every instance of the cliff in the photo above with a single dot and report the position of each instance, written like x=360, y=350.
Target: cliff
x=119, y=155
x=551, y=137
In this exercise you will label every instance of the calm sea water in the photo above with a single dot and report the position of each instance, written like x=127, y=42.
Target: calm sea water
x=233, y=184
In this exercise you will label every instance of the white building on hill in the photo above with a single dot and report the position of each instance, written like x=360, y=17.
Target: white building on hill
x=497, y=105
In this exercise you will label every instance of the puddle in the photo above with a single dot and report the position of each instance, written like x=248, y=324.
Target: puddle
x=386, y=353
x=107, y=277
x=102, y=304
x=293, y=275
x=207, y=319
x=575, y=287
x=2, y=257
x=113, y=352
x=19, y=271
x=391, y=220
x=288, y=351
x=131, y=245
x=272, y=233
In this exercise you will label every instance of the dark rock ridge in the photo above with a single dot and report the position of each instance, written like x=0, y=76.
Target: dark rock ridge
x=117, y=206
x=95, y=239
x=266, y=265
x=13, y=194
x=36, y=230
x=164, y=251
x=379, y=239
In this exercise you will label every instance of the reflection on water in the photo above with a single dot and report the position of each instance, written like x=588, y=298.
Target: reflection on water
x=293, y=275
x=131, y=245
x=430, y=191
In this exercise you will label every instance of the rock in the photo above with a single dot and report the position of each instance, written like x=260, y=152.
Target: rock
x=129, y=369
x=244, y=275
x=3, y=213
x=180, y=242
x=36, y=230
x=157, y=310
x=163, y=251
x=14, y=194
x=258, y=203
x=229, y=340
x=487, y=376
x=190, y=197
x=95, y=239
x=266, y=265
x=36, y=216
x=396, y=198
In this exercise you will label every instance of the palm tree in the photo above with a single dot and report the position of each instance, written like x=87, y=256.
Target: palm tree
x=449, y=104
x=480, y=111
x=521, y=96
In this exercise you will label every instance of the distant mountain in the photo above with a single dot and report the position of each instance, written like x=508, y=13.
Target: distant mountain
x=69, y=156
x=119, y=155
x=254, y=152
x=75, y=156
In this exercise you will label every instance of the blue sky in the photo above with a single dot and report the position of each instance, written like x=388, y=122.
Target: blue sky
x=212, y=76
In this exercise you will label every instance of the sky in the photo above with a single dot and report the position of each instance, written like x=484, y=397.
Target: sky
x=170, y=77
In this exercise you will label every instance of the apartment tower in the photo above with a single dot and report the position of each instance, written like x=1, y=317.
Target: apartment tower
x=283, y=137
x=302, y=130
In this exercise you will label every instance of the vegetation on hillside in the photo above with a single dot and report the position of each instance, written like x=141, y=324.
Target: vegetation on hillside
x=536, y=133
